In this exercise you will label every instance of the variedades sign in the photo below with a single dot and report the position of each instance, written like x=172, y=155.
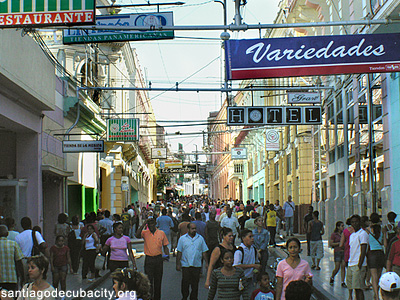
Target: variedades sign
x=316, y=55
x=39, y=13
x=74, y=36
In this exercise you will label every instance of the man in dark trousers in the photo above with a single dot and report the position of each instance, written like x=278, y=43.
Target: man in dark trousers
x=155, y=241
x=192, y=249
x=307, y=218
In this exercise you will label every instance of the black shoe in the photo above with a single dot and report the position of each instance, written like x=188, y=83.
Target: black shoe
x=344, y=285
x=331, y=281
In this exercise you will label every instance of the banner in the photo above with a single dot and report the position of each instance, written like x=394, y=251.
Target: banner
x=123, y=129
x=315, y=55
x=83, y=146
x=273, y=115
x=239, y=153
x=159, y=153
x=78, y=36
x=272, y=140
x=192, y=168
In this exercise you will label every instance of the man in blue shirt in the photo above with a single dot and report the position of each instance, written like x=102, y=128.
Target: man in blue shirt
x=191, y=249
x=200, y=225
x=165, y=223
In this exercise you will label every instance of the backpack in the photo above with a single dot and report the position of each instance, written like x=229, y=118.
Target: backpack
x=242, y=250
x=35, y=249
x=176, y=224
x=71, y=237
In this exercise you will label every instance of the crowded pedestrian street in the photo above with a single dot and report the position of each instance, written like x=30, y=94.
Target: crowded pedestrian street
x=199, y=150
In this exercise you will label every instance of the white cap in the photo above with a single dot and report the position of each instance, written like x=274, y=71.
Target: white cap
x=389, y=282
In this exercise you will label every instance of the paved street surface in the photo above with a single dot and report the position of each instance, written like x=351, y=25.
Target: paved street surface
x=172, y=279
x=321, y=278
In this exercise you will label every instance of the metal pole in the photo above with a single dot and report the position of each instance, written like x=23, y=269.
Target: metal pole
x=371, y=169
x=178, y=89
x=233, y=27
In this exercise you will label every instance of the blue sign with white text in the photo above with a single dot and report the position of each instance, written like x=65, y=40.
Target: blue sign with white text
x=316, y=55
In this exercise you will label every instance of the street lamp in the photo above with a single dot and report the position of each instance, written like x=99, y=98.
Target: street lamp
x=196, y=156
x=224, y=37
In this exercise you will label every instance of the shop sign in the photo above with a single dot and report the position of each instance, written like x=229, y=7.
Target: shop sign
x=123, y=129
x=39, y=13
x=124, y=183
x=88, y=35
x=273, y=115
x=159, y=153
x=239, y=153
x=272, y=140
x=313, y=55
x=304, y=98
x=171, y=164
x=190, y=168
x=83, y=146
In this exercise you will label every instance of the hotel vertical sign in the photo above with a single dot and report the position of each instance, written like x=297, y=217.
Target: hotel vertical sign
x=40, y=13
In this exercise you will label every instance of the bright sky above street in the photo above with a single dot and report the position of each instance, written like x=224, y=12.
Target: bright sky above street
x=194, y=59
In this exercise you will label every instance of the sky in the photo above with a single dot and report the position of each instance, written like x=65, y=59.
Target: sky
x=194, y=59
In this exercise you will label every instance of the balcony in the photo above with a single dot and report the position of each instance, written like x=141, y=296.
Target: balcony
x=235, y=171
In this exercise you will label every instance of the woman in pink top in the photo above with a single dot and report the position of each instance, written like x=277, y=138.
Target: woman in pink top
x=119, y=247
x=344, y=242
x=291, y=269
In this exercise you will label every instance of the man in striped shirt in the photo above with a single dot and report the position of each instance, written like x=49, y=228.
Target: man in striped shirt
x=10, y=261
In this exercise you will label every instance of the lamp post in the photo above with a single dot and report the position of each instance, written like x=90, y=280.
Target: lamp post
x=224, y=37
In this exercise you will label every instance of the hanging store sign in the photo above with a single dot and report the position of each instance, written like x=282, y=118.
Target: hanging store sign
x=159, y=153
x=272, y=140
x=239, y=153
x=191, y=168
x=78, y=36
x=273, y=115
x=304, y=98
x=124, y=183
x=46, y=12
x=315, y=55
x=171, y=164
x=83, y=146
x=123, y=129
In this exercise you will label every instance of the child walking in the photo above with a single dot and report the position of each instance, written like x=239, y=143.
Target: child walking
x=264, y=291
x=60, y=259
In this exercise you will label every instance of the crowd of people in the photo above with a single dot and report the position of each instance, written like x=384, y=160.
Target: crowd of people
x=230, y=240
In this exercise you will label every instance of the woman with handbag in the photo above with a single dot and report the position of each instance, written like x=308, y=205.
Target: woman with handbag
x=91, y=244
x=375, y=254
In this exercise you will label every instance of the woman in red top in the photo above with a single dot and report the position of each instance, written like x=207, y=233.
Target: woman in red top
x=60, y=259
x=334, y=243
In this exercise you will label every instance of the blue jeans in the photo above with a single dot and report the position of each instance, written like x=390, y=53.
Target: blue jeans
x=289, y=225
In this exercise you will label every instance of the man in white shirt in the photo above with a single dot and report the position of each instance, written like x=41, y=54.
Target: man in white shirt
x=231, y=222
x=25, y=241
x=288, y=211
x=357, y=269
